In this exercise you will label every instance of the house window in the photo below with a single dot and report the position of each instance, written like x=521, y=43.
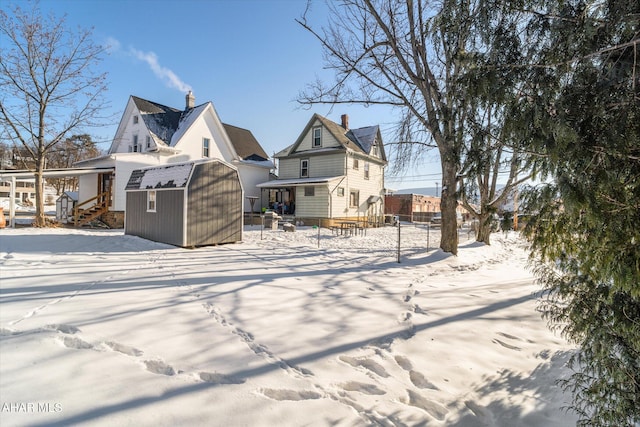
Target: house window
x=148, y=142
x=356, y=164
x=135, y=148
x=366, y=171
x=354, y=199
x=304, y=168
x=135, y=120
x=340, y=191
x=317, y=137
x=309, y=191
x=151, y=201
x=374, y=151
x=205, y=147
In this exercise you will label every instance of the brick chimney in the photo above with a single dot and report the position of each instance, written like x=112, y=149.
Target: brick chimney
x=345, y=121
x=190, y=100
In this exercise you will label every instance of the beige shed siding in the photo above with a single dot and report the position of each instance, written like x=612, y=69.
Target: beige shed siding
x=319, y=166
x=313, y=206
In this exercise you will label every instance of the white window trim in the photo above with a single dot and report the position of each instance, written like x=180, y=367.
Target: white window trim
x=302, y=161
x=313, y=137
x=206, y=148
x=152, y=201
x=357, y=201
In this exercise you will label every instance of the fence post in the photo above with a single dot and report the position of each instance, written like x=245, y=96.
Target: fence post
x=398, y=240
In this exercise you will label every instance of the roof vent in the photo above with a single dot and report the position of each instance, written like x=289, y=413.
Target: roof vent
x=190, y=101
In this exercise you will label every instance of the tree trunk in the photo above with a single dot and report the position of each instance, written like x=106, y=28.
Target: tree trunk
x=483, y=234
x=39, y=219
x=448, y=206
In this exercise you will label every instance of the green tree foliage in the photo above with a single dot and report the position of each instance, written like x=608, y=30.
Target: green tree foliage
x=585, y=136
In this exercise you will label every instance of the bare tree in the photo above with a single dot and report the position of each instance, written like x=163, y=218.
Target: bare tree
x=49, y=85
x=414, y=56
x=66, y=154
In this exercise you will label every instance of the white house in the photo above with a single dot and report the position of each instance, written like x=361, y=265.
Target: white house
x=152, y=134
x=331, y=172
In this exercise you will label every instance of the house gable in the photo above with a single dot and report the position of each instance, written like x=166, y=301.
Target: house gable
x=366, y=141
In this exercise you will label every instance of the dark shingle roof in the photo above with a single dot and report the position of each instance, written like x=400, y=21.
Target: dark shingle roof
x=245, y=144
x=163, y=121
x=364, y=137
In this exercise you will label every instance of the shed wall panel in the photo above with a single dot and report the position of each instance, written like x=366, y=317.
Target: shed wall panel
x=165, y=225
x=215, y=205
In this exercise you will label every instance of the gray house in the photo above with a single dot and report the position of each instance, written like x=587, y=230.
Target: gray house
x=189, y=204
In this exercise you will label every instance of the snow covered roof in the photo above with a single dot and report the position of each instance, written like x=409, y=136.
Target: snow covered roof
x=170, y=124
x=167, y=176
x=161, y=120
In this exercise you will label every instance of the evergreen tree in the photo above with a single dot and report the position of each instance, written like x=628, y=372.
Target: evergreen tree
x=584, y=128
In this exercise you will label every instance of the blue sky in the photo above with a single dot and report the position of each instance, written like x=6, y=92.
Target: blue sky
x=249, y=57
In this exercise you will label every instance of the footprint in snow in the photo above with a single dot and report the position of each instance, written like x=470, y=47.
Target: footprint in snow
x=159, y=367
x=75, y=343
x=124, y=349
x=368, y=364
x=364, y=388
x=282, y=394
x=65, y=329
x=432, y=408
x=403, y=362
x=420, y=381
x=216, y=378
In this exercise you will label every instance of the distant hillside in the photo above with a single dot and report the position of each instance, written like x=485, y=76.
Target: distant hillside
x=425, y=191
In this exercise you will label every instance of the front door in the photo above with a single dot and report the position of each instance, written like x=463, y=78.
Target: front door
x=105, y=184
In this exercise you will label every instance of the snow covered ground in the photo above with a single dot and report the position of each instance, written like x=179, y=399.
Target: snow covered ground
x=103, y=329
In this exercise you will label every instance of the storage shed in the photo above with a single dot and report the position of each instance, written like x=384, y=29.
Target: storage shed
x=64, y=206
x=186, y=204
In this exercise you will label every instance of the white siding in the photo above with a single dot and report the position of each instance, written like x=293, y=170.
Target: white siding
x=374, y=186
x=125, y=164
x=316, y=206
x=250, y=176
x=319, y=166
x=190, y=145
x=327, y=139
x=129, y=129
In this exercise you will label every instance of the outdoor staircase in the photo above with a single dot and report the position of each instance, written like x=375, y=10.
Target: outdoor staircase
x=100, y=206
